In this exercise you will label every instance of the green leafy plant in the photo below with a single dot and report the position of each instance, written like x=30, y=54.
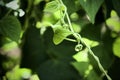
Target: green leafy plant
x=59, y=39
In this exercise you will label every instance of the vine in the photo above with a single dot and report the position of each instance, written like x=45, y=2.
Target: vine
x=88, y=45
x=79, y=39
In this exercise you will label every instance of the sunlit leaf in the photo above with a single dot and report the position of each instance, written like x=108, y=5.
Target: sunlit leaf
x=9, y=46
x=113, y=22
x=34, y=77
x=52, y=6
x=11, y=28
x=18, y=73
x=60, y=34
x=74, y=16
x=57, y=14
x=50, y=18
x=45, y=24
x=37, y=1
x=91, y=7
x=92, y=43
x=76, y=27
x=116, y=47
x=81, y=56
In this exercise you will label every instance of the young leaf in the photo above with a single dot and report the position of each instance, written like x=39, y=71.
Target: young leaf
x=92, y=43
x=60, y=34
x=91, y=7
x=113, y=22
x=10, y=27
x=116, y=47
x=52, y=6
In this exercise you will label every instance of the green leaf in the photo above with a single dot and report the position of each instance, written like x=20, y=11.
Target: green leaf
x=63, y=51
x=11, y=28
x=92, y=43
x=81, y=56
x=116, y=47
x=36, y=2
x=34, y=77
x=86, y=70
x=60, y=34
x=104, y=53
x=52, y=6
x=93, y=73
x=91, y=7
x=33, y=49
x=18, y=73
x=57, y=70
x=81, y=69
x=70, y=4
x=113, y=22
x=9, y=46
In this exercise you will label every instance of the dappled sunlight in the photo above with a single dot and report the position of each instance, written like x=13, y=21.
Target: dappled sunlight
x=59, y=40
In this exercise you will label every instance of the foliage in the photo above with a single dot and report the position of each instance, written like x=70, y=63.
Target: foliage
x=59, y=39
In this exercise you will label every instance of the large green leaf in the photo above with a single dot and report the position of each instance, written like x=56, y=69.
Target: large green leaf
x=116, y=47
x=63, y=51
x=33, y=49
x=10, y=27
x=91, y=7
x=57, y=70
x=60, y=34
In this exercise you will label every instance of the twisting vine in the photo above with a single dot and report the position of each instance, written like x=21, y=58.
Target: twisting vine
x=79, y=40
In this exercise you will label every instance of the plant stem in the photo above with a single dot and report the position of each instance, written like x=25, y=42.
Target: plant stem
x=78, y=37
x=69, y=22
x=97, y=59
x=72, y=40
